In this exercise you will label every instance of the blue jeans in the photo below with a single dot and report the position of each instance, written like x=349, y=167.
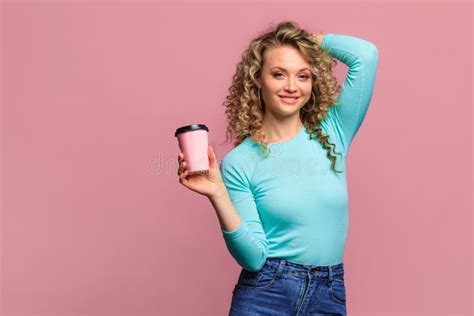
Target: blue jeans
x=283, y=287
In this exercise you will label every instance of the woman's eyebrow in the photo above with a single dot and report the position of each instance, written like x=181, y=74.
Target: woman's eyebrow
x=285, y=69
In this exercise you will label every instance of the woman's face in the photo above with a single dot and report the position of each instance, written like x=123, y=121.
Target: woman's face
x=285, y=73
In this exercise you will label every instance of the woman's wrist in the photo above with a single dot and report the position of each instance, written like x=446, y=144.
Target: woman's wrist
x=220, y=193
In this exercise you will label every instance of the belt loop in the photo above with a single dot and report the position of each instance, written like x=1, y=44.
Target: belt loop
x=330, y=274
x=281, y=265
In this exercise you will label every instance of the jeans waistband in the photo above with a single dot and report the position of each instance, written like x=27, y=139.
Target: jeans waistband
x=285, y=266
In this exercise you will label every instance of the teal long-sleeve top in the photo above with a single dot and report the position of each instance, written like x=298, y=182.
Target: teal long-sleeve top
x=290, y=203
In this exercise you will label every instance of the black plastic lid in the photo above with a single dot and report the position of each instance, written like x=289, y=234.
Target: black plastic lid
x=193, y=127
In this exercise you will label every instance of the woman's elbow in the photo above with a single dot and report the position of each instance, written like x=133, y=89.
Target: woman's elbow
x=372, y=52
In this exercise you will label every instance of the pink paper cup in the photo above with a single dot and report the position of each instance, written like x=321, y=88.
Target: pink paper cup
x=193, y=143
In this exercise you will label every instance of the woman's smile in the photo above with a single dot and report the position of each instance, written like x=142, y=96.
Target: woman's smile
x=289, y=100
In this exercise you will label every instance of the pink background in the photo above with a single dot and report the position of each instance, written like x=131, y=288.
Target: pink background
x=93, y=218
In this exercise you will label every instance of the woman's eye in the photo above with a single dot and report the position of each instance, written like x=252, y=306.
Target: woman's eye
x=280, y=74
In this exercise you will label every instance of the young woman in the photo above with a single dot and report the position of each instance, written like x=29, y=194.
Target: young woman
x=281, y=193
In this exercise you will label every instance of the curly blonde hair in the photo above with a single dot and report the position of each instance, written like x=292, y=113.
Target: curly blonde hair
x=243, y=109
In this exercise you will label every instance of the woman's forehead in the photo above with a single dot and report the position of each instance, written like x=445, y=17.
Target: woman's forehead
x=285, y=57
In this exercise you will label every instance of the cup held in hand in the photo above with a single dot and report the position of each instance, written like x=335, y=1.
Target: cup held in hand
x=193, y=143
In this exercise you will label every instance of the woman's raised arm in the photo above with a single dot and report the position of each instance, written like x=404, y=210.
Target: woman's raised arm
x=361, y=57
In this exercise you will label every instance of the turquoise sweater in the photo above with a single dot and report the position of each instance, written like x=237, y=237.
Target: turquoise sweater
x=291, y=204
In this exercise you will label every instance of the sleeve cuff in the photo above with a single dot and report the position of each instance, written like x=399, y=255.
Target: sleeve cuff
x=326, y=39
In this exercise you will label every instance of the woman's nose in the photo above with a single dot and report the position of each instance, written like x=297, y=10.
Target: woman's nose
x=290, y=89
x=290, y=86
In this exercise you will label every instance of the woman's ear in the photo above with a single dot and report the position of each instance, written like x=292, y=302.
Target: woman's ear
x=258, y=83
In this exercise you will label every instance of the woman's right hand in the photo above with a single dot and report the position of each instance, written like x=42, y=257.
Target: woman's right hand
x=209, y=184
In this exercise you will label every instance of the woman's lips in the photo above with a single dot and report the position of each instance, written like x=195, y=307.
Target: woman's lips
x=289, y=101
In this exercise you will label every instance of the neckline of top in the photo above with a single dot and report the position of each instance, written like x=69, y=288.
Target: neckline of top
x=294, y=138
